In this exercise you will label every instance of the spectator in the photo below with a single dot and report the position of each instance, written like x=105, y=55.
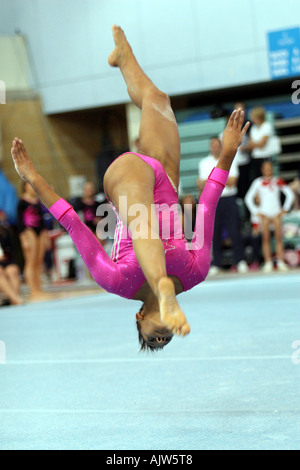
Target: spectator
x=295, y=187
x=88, y=206
x=10, y=281
x=49, y=223
x=227, y=214
x=263, y=142
x=269, y=211
x=255, y=242
x=243, y=161
x=34, y=241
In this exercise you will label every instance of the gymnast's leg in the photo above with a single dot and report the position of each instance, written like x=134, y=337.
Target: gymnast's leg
x=158, y=135
x=159, y=139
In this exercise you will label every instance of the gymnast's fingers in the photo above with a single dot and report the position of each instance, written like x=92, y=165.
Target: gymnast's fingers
x=232, y=118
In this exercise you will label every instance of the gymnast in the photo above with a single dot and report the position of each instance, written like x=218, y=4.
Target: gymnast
x=148, y=268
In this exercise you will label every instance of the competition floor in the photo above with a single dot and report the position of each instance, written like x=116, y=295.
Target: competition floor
x=74, y=378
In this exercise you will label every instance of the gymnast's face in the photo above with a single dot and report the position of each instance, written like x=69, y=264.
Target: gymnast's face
x=154, y=332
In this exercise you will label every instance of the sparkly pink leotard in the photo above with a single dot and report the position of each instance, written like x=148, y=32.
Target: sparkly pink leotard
x=121, y=274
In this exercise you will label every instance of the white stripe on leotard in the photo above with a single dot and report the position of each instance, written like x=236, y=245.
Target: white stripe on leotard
x=173, y=185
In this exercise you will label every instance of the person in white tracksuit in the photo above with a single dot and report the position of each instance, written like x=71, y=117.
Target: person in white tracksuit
x=267, y=191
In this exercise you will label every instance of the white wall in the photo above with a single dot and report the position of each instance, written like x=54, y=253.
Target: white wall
x=14, y=67
x=184, y=45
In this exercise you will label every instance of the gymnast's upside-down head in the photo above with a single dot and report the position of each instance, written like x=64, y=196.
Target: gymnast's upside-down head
x=153, y=334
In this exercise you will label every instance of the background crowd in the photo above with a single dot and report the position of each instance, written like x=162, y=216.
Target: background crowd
x=253, y=203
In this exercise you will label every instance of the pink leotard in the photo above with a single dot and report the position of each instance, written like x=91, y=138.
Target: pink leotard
x=121, y=274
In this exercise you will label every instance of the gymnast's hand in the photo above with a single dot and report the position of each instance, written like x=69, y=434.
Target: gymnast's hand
x=23, y=165
x=234, y=133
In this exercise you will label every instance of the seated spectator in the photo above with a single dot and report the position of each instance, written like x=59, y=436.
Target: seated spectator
x=227, y=214
x=268, y=212
x=10, y=280
x=263, y=143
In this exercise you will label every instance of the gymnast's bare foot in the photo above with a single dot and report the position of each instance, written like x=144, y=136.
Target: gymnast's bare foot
x=170, y=312
x=23, y=165
x=122, y=47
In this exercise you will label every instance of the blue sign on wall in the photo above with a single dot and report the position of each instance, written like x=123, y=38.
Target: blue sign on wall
x=284, y=53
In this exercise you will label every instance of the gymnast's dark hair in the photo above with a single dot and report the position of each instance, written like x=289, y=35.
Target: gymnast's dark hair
x=144, y=345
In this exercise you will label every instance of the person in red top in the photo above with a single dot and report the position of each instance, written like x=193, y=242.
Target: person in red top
x=266, y=190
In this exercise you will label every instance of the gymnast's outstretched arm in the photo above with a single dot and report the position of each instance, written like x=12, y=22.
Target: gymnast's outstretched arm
x=102, y=268
x=204, y=227
x=205, y=218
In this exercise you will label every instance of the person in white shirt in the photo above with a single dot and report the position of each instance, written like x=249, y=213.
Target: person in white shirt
x=267, y=190
x=261, y=140
x=227, y=214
